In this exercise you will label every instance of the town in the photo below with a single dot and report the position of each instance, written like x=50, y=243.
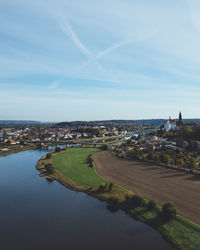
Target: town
x=174, y=143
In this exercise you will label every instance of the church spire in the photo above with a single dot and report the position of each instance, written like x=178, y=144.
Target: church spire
x=180, y=118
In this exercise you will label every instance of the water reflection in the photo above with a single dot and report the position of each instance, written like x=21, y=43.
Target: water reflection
x=37, y=213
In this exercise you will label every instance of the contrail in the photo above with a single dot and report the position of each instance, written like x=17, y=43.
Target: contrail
x=115, y=47
x=194, y=12
x=67, y=29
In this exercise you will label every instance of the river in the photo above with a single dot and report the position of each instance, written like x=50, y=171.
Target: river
x=36, y=214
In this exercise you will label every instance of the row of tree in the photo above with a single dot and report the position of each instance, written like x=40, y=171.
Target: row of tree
x=178, y=159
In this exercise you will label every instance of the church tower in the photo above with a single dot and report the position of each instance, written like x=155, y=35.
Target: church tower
x=180, y=120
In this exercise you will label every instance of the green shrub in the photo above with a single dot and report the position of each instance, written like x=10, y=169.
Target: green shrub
x=180, y=162
x=113, y=200
x=151, y=204
x=57, y=149
x=90, y=161
x=105, y=147
x=169, y=210
x=49, y=168
x=113, y=205
x=129, y=195
x=137, y=200
x=165, y=158
x=150, y=156
x=111, y=186
x=192, y=163
x=102, y=187
x=156, y=157
x=48, y=156
x=134, y=154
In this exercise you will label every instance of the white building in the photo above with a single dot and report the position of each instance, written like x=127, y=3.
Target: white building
x=170, y=125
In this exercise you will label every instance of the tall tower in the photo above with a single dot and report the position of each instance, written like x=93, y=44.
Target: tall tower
x=180, y=118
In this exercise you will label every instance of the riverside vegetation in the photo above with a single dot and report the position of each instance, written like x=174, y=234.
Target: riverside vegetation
x=75, y=169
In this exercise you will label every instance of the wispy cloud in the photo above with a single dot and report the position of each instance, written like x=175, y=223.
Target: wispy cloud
x=149, y=49
x=54, y=85
x=194, y=7
x=24, y=55
x=67, y=29
x=116, y=46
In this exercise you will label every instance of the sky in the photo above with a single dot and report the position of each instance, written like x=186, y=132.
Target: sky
x=64, y=60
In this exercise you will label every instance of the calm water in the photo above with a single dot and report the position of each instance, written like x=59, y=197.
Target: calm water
x=35, y=214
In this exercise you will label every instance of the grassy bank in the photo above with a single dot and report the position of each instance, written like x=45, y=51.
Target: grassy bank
x=74, y=168
x=14, y=149
x=74, y=163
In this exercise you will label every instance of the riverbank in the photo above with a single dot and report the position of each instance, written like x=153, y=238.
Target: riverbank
x=16, y=150
x=73, y=169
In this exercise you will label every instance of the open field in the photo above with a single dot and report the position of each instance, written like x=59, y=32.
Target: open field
x=74, y=163
x=153, y=182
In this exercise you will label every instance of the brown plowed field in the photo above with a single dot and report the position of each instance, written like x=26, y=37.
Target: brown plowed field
x=153, y=182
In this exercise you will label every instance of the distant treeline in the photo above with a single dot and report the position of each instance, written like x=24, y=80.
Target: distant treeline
x=16, y=122
x=95, y=123
x=120, y=122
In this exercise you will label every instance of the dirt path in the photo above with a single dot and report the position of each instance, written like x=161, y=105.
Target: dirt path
x=153, y=182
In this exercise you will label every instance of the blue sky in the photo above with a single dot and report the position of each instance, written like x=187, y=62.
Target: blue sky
x=63, y=60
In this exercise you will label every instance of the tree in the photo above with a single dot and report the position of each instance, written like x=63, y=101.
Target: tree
x=179, y=141
x=57, y=149
x=165, y=158
x=192, y=163
x=48, y=156
x=195, y=146
x=156, y=157
x=111, y=186
x=187, y=133
x=105, y=147
x=130, y=143
x=49, y=168
x=137, y=200
x=150, y=156
x=135, y=154
x=151, y=204
x=129, y=195
x=169, y=210
x=8, y=142
x=102, y=187
x=180, y=162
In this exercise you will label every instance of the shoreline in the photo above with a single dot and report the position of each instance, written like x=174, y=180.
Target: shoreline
x=17, y=150
x=77, y=141
x=116, y=200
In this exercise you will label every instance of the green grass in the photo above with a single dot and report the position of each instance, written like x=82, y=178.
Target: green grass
x=185, y=233
x=73, y=164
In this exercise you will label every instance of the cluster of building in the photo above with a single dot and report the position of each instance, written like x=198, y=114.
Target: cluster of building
x=14, y=136
x=147, y=142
